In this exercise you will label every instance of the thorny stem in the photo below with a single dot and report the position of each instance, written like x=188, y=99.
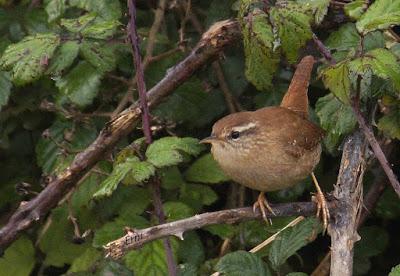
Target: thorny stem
x=133, y=36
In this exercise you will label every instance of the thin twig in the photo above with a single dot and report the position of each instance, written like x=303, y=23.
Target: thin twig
x=326, y=53
x=136, y=238
x=146, y=121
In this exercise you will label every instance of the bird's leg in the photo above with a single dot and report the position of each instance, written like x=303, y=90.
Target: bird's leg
x=322, y=206
x=263, y=204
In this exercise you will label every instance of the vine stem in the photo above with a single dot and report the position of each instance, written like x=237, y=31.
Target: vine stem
x=141, y=85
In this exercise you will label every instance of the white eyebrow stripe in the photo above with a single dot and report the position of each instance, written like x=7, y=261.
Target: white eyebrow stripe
x=244, y=127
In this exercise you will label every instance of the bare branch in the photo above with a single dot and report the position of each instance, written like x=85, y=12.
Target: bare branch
x=136, y=238
x=213, y=41
x=348, y=192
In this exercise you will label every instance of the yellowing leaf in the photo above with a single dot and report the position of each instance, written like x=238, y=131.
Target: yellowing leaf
x=18, y=259
x=380, y=15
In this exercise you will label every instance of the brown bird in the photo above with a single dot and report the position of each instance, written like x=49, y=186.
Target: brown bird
x=272, y=148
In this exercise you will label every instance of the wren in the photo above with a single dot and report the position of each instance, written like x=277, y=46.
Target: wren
x=272, y=148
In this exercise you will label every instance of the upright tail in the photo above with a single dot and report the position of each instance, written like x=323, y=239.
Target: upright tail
x=296, y=98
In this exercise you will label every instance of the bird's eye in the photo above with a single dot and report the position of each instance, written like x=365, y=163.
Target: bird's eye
x=234, y=135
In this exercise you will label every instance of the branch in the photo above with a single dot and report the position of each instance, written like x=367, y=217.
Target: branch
x=348, y=192
x=136, y=238
x=212, y=43
x=376, y=148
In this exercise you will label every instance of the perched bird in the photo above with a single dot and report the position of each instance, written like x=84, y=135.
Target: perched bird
x=272, y=148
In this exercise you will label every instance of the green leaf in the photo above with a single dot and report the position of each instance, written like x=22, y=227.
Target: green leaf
x=85, y=261
x=150, y=259
x=81, y=85
x=106, y=9
x=381, y=15
x=75, y=25
x=344, y=41
x=241, y=263
x=388, y=206
x=137, y=171
x=63, y=57
x=390, y=123
x=168, y=151
x=101, y=29
x=196, y=196
x=28, y=58
x=99, y=55
x=336, y=118
x=48, y=153
x=171, y=178
x=224, y=231
x=261, y=56
x=191, y=105
x=205, y=170
x=291, y=240
x=5, y=88
x=336, y=79
x=56, y=242
x=55, y=9
x=293, y=27
x=19, y=258
x=297, y=274
x=374, y=240
x=187, y=269
x=395, y=271
x=175, y=210
x=191, y=249
x=381, y=62
x=319, y=8
x=355, y=9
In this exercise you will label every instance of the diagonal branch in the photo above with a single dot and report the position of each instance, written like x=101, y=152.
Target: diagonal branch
x=212, y=43
x=134, y=239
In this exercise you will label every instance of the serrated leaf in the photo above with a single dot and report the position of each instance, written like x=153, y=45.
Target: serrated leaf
x=336, y=118
x=191, y=249
x=205, y=170
x=5, y=88
x=100, y=29
x=390, y=124
x=55, y=9
x=81, y=85
x=136, y=171
x=355, y=9
x=63, y=57
x=171, y=178
x=344, y=41
x=19, y=258
x=291, y=240
x=56, y=242
x=319, y=8
x=381, y=15
x=261, y=57
x=395, y=271
x=75, y=25
x=85, y=261
x=107, y=9
x=168, y=151
x=175, y=210
x=150, y=259
x=293, y=27
x=381, y=62
x=99, y=55
x=28, y=58
x=336, y=79
x=241, y=263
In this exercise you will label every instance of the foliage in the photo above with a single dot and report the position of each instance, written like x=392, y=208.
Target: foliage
x=65, y=67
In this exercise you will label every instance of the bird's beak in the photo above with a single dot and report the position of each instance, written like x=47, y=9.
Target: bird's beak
x=209, y=140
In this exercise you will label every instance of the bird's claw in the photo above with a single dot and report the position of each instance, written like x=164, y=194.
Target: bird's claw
x=322, y=209
x=263, y=204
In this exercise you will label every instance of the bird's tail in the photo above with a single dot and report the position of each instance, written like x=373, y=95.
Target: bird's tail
x=296, y=97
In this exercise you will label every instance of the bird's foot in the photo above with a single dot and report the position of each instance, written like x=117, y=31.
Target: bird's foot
x=322, y=205
x=263, y=204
